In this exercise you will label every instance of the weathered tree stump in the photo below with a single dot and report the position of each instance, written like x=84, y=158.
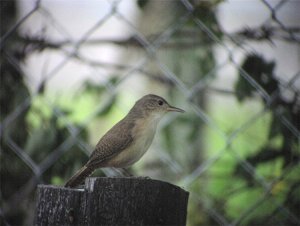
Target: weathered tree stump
x=112, y=201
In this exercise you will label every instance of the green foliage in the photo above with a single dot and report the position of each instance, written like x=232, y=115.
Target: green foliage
x=261, y=72
x=229, y=185
x=269, y=160
x=35, y=132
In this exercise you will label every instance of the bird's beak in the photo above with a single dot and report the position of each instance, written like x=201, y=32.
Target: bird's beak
x=170, y=108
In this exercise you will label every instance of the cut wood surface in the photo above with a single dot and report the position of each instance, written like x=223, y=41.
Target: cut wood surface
x=112, y=201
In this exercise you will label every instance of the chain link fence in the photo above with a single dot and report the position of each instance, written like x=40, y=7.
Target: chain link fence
x=67, y=77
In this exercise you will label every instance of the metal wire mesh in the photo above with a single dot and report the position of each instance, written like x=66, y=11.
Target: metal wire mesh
x=185, y=31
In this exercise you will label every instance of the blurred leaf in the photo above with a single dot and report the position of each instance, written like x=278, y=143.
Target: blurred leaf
x=93, y=88
x=243, y=89
x=108, y=105
x=205, y=12
x=114, y=79
x=42, y=140
x=41, y=87
x=265, y=154
x=142, y=3
x=275, y=128
x=278, y=187
x=56, y=180
x=259, y=70
x=168, y=137
x=238, y=203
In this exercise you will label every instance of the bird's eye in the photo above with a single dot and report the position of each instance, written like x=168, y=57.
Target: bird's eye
x=160, y=102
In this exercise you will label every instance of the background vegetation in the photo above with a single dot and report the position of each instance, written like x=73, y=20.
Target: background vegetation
x=236, y=150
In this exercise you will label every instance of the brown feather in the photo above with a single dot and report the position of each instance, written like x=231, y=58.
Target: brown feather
x=79, y=176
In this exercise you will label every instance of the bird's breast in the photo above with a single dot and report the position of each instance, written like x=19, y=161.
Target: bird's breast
x=143, y=133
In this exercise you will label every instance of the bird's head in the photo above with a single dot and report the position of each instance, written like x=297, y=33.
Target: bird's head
x=153, y=105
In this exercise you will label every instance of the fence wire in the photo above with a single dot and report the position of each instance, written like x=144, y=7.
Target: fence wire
x=233, y=178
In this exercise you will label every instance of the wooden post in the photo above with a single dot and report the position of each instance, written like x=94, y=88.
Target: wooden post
x=112, y=201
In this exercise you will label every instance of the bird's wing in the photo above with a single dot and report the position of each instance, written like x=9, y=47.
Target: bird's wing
x=117, y=139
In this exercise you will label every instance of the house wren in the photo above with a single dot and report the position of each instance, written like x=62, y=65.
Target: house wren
x=128, y=140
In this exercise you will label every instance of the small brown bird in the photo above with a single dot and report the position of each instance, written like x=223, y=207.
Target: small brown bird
x=128, y=140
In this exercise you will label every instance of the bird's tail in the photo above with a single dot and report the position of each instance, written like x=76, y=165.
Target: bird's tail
x=79, y=176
